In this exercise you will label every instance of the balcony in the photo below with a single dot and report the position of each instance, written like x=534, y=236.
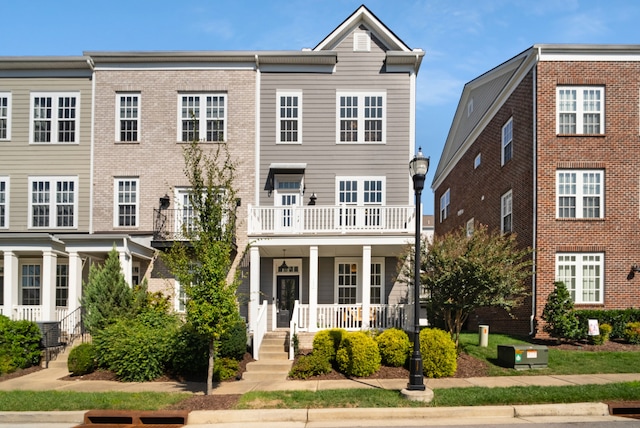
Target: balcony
x=291, y=220
x=170, y=225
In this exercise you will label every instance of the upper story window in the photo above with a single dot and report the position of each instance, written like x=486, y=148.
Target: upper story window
x=128, y=117
x=126, y=202
x=361, y=117
x=445, y=201
x=507, y=141
x=582, y=274
x=54, y=117
x=580, y=110
x=289, y=121
x=53, y=202
x=477, y=161
x=580, y=193
x=203, y=117
x=506, y=209
x=4, y=203
x=5, y=116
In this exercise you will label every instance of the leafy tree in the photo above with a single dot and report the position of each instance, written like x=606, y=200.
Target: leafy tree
x=203, y=262
x=561, y=320
x=106, y=296
x=462, y=273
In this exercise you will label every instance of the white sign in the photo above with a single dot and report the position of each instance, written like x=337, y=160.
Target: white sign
x=594, y=329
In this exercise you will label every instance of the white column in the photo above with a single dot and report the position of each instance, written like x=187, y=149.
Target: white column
x=366, y=285
x=10, y=282
x=313, y=288
x=254, y=286
x=75, y=281
x=125, y=265
x=48, y=286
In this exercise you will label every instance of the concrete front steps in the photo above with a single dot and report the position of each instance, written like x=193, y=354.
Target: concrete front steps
x=274, y=363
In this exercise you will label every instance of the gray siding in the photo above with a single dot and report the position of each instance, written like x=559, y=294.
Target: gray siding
x=355, y=71
x=20, y=160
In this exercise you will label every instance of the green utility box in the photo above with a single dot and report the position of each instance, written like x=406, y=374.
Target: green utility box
x=523, y=357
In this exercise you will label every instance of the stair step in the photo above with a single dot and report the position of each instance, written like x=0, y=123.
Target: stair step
x=271, y=365
x=264, y=377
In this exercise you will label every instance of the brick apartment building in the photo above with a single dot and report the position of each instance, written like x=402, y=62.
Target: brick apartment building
x=544, y=146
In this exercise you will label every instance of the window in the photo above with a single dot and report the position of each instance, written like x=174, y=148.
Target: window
x=30, y=284
x=54, y=117
x=5, y=116
x=53, y=202
x=470, y=227
x=289, y=117
x=128, y=117
x=4, y=203
x=580, y=110
x=361, y=118
x=180, y=298
x=582, y=275
x=506, y=208
x=580, y=194
x=477, y=161
x=507, y=141
x=347, y=283
x=445, y=200
x=355, y=192
x=126, y=198
x=470, y=107
x=62, y=285
x=377, y=282
x=203, y=117
x=135, y=274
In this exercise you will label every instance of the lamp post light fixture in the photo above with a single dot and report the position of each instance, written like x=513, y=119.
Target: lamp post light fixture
x=418, y=168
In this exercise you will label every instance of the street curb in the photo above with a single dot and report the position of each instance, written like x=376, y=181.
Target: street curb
x=73, y=417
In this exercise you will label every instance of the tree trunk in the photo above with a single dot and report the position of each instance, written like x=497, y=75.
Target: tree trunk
x=210, y=368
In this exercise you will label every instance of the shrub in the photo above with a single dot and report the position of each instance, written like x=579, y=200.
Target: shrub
x=358, y=355
x=190, y=354
x=327, y=342
x=617, y=318
x=225, y=368
x=394, y=346
x=233, y=343
x=632, y=333
x=562, y=322
x=439, y=355
x=82, y=359
x=137, y=350
x=310, y=365
x=19, y=344
x=605, y=331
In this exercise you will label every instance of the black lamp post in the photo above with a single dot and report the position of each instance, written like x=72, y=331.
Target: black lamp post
x=418, y=168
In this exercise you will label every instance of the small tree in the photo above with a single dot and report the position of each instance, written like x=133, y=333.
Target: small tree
x=463, y=273
x=202, y=265
x=561, y=320
x=106, y=296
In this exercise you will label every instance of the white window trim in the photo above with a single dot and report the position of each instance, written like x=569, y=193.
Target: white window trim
x=54, y=119
x=52, y=202
x=361, y=119
x=579, y=263
x=360, y=192
x=179, y=307
x=21, y=263
x=297, y=94
x=348, y=260
x=6, y=202
x=579, y=108
x=202, y=130
x=383, y=286
x=116, y=204
x=445, y=202
x=7, y=95
x=506, y=209
x=119, y=96
x=505, y=143
x=579, y=195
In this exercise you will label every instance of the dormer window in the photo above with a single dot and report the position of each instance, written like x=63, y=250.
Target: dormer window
x=362, y=42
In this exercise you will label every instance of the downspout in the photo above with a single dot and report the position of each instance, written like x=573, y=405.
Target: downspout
x=534, y=233
x=91, y=154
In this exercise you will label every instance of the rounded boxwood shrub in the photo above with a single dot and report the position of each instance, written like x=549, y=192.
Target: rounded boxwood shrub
x=327, y=342
x=310, y=365
x=233, y=342
x=605, y=331
x=439, y=354
x=225, y=368
x=82, y=359
x=632, y=333
x=358, y=355
x=19, y=344
x=394, y=346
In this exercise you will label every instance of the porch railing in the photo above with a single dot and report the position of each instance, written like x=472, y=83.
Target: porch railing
x=331, y=219
x=260, y=330
x=350, y=317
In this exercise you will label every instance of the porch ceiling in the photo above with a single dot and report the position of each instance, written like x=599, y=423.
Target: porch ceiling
x=293, y=251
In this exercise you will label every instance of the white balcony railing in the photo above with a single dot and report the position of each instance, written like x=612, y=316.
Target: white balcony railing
x=331, y=219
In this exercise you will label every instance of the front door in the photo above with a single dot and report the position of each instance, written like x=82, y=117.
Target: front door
x=287, y=293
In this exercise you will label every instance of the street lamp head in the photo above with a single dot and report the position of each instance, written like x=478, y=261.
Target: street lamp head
x=419, y=165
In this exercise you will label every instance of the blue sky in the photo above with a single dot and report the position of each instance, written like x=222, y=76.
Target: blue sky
x=462, y=38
